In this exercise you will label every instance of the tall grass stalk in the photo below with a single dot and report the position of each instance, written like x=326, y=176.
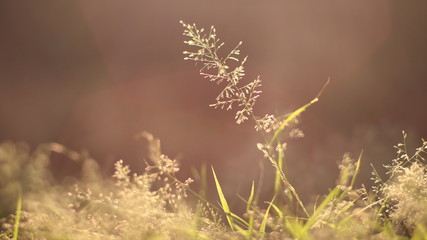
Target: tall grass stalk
x=17, y=215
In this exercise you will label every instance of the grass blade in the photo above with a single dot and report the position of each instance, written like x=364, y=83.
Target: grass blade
x=17, y=216
x=251, y=197
x=297, y=112
x=239, y=220
x=248, y=207
x=295, y=227
x=277, y=185
x=353, y=180
x=223, y=201
x=291, y=117
x=265, y=218
x=278, y=211
x=335, y=192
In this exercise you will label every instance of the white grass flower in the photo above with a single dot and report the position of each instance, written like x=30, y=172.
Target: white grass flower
x=219, y=69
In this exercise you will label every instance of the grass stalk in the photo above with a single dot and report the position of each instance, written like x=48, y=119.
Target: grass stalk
x=17, y=215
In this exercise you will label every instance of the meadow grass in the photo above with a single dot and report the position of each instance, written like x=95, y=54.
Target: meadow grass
x=155, y=204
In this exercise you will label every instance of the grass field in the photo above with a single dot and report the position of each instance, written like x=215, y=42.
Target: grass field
x=155, y=204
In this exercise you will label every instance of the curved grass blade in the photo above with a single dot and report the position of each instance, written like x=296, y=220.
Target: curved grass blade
x=265, y=218
x=278, y=211
x=297, y=112
x=251, y=197
x=239, y=220
x=291, y=117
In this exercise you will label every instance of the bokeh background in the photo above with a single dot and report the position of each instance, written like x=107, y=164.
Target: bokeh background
x=93, y=74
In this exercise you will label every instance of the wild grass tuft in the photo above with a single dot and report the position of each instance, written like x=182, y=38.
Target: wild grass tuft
x=400, y=200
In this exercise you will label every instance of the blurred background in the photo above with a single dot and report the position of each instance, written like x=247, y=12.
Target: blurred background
x=93, y=74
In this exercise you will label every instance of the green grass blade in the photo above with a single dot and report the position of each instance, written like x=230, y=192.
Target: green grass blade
x=297, y=112
x=335, y=192
x=251, y=226
x=353, y=180
x=248, y=208
x=251, y=197
x=277, y=180
x=260, y=182
x=223, y=201
x=239, y=219
x=278, y=211
x=290, y=227
x=295, y=228
x=265, y=218
x=291, y=117
x=17, y=216
x=243, y=232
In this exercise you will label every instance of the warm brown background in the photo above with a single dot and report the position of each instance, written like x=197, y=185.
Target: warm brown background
x=92, y=74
